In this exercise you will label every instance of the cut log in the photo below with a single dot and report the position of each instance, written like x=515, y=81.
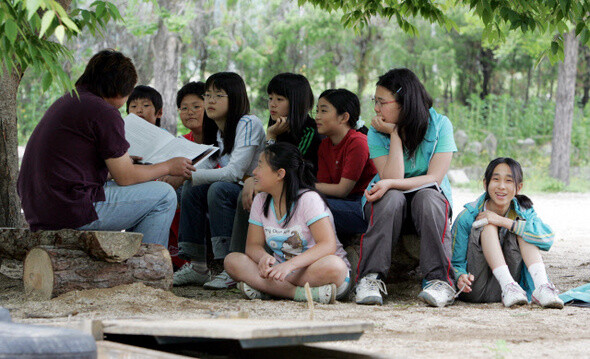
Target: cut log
x=50, y=271
x=107, y=246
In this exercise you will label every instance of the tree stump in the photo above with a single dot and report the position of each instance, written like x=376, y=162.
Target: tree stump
x=50, y=271
x=107, y=246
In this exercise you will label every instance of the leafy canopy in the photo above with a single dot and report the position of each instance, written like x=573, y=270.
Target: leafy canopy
x=498, y=16
x=32, y=34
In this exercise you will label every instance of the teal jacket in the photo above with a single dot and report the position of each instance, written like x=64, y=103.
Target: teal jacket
x=429, y=145
x=528, y=226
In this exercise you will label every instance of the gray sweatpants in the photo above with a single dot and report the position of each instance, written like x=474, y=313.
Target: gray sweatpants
x=485, y=288
x=428, y=212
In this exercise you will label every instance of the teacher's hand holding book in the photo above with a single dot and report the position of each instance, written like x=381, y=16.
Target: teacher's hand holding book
x=180, y=166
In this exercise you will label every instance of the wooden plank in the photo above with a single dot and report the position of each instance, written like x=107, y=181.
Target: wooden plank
x=112, y=350
x=236, y=329
x=88, y=326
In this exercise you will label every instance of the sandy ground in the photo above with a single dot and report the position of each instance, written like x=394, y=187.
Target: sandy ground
x=403, y=326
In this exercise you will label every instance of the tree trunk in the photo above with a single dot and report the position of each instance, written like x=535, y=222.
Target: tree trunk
x=564, y=110
x=50, y=271
x=365, y=43
x=166, y=49
x=106, y=246
x=586, y=79
x=10, y=215
x=487, y=67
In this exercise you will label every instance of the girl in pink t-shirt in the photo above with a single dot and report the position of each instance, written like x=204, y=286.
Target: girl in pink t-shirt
x=294, y=221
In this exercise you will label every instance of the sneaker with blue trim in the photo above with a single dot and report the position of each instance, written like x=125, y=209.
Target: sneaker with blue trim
x=513, y=294
x=437, y=293
x=368, y=290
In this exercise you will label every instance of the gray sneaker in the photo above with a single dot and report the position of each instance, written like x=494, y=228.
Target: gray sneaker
x=437, y=293
x=187, y=275
x=220, y=281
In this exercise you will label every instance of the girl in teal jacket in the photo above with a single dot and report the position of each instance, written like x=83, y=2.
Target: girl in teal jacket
x=498, y=240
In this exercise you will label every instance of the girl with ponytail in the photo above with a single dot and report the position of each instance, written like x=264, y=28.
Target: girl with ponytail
x=293, y=220
x=494, y=236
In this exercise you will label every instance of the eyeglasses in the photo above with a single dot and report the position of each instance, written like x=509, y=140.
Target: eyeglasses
x=194, y=108
x=216, y=97
x=380, y=103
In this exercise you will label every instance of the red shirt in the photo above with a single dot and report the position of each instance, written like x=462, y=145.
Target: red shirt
x=349, y=159
x=63, y=169
x=189, y=136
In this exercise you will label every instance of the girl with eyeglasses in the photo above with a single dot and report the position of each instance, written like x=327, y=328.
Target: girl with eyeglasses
x=215, y=186
x=411, y=146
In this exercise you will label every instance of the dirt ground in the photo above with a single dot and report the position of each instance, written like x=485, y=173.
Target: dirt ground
x=403, y=326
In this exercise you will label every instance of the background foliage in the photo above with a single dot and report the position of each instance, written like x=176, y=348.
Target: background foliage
x=482, y=87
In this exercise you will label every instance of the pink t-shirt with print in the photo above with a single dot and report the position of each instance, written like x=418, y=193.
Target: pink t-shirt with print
x=295, y=237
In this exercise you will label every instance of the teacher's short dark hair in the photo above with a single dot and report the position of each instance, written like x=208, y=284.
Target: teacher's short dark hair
x=109, y=74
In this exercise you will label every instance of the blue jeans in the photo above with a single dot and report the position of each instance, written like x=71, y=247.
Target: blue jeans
x=147, y=208
x=348, y=215
x=218, y=200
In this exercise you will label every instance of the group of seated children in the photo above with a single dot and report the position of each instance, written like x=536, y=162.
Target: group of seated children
x=275, y=203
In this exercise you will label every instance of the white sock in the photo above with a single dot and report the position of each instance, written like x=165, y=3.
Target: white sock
x=538, y=273
x=503, y=276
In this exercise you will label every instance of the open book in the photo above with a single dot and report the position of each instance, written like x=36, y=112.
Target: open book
x=432, y=185
x=156, y=145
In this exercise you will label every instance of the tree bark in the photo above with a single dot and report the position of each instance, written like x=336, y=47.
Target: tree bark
x=50, y=271
x=564, y=110
x=487, y=67
x=106, y=246
x=10, y=209
x=166, y=50
x=10, y=215
x=586, y=79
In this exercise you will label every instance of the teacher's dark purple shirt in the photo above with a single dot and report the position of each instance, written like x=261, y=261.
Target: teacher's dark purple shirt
x=63, y=169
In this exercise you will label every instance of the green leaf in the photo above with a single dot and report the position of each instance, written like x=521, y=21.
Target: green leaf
x=32, y=7
x=60, y=32
x=47, y=80
x=554, y=47
x=11, y=30
x=70, y=24
x=584, y=36
x=46, y=21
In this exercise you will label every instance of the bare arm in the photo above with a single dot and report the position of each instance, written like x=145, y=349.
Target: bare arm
x=392, y=165
x=125, y=173
x=339, y=190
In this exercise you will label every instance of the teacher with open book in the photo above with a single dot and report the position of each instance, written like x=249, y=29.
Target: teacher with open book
x=78, y=142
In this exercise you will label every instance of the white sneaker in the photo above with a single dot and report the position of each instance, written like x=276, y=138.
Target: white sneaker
x=513, y=294
x=188, y=275
x=220, y=281
x=250, y=292
x=437, y=293
x=368, y=290
x=546, y=296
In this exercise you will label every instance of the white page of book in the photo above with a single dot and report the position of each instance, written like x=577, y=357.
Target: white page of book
x=179, y=147
x=145, y=139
